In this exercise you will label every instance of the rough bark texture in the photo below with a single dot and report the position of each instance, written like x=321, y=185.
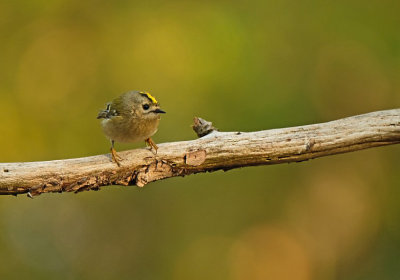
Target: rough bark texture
x=215, y=151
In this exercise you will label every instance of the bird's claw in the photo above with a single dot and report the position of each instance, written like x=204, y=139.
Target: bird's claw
x=152, y=145
x=115, y=157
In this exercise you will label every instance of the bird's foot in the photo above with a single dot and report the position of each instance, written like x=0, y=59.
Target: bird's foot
x=152, y=145
x=115, y=157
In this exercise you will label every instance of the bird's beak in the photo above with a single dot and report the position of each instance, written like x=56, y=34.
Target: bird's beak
x=159, y=111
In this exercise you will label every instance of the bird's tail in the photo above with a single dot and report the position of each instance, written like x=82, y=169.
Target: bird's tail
x=103, y=114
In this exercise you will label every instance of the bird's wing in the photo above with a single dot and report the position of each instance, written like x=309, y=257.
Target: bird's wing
x=108, y=113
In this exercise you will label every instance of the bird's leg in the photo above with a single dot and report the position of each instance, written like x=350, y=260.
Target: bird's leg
x=152, y=145
x=114, y=155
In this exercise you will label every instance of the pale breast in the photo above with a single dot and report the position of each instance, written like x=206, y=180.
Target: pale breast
x=128, y=132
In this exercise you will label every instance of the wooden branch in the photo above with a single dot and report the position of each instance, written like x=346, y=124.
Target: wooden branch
x=215, y=151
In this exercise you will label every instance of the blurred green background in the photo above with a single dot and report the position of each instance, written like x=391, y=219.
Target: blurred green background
x=245, y=65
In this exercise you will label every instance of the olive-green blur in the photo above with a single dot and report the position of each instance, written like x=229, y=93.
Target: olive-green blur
x=245, y=66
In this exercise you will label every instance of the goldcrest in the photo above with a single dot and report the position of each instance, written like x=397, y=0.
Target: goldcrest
x=134, y=116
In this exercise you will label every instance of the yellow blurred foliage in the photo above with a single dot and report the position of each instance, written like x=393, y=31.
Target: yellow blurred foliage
x=242, y=65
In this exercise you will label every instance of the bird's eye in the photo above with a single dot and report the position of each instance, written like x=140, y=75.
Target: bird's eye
x=146, y=106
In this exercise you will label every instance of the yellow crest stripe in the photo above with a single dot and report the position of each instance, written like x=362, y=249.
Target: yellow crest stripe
x=149, y=96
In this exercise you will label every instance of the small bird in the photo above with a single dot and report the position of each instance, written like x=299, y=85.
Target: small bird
x=131, y=117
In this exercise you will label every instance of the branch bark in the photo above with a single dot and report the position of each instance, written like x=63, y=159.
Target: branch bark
x=215, y=151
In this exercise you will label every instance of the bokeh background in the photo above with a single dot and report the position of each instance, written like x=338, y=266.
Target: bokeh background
x=245, y=65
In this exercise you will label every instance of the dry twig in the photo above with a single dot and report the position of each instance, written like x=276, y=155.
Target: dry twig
x=214, y=151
